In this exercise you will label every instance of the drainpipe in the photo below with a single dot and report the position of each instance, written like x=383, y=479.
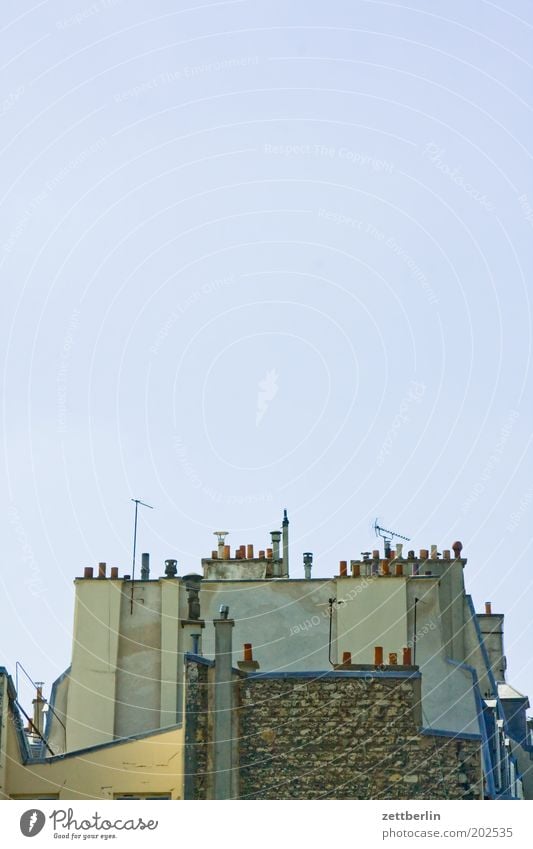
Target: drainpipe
x=222, y=732
x=285, y=527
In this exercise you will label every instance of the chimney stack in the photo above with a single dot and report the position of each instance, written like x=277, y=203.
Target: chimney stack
x=222, y=730
x=275, y=537
x=171, y=568
x=248, y=664
x=145, y=567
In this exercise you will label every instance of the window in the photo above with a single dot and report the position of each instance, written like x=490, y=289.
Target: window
x=136, y=796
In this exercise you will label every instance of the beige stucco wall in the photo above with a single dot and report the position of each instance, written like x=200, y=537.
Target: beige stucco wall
x=91, y=692
x=153, y=764
x=373, y=613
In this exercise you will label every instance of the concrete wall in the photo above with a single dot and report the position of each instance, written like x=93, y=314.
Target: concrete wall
x=373, y=613
x=286, y=621
x=126, y=668
x=91, y=692
x=138, y=688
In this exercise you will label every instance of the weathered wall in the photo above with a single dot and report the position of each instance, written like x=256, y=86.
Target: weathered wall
x=373, y=613
x=346, y=737
x=91, y=690
x=285, y=620
x=152, y=764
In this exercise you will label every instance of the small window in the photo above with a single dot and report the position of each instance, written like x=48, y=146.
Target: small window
x=145, y=796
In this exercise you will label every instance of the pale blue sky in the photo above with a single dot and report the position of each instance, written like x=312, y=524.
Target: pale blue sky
x=263, y=255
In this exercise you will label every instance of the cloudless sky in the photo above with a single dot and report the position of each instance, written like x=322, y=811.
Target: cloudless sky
x=258, y=255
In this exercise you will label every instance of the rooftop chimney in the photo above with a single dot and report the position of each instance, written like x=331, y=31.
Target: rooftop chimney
x=221, y=536
x=457, y=548
x=276, y=538
x=171, y=568
x=145, y=567
x=308, y=564
x=248, y=664
x=222, y=730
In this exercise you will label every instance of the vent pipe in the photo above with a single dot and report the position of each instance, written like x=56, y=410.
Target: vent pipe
x=145, y=567
x=276, y=538
x=285, y=526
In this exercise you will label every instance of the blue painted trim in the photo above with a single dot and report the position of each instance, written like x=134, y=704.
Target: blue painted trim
x=482, y=645
x=345, y=673
x=198, y=658
x=455, y=735
x=499, y=707
x=485, y=747
x=119, y=741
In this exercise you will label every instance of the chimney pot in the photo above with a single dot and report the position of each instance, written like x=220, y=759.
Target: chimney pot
x=269, y=553
x=488, y=608
x=378, y=655
x=393, y=659
x=171, y=568
x=214, y=555
x=434, y=552
x=114, y=571
x=375, y=554
x=446, y=554
x=248, y=653
x=101, y=570
x=424, y=554
x=457, y=548
x=343, y=568
x=346, y=657
x=398, y=571
x=88, y=572
x=226, y=552
x=385, y=567
x=356, y=570
x=407, y=657
x=250, y=552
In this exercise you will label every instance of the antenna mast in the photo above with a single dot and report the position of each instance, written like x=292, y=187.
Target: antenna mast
x=142, y=503
x=387, y=536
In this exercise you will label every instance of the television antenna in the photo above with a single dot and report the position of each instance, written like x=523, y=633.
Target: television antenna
x=137, y=501
x=388, y=536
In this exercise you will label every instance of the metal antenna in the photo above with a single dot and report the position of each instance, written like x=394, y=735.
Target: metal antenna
x=137, y=502
x=387, y=536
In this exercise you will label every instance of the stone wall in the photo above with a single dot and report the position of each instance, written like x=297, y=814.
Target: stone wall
x=343, y=737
